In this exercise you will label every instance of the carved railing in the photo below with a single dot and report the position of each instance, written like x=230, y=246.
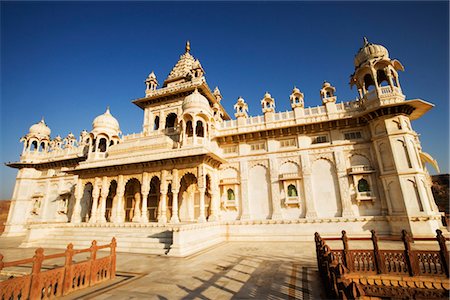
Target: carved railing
x=73, y=276
x=345, y=272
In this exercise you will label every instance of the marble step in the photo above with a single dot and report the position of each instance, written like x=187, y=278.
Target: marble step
x=107, y=239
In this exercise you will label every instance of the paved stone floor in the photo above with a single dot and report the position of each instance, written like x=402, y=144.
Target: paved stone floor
x=235, y=270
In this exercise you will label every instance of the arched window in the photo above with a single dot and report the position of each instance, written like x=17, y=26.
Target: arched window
x=369, y=83
x=102, y=145
x=189, y=130
x=34, y=146
x=363, y=185
x=382, y=78
x=328, y=94
x=170, y=120
x=111, y=143
x=93, y=145
x=199, y=130
x=156, y=125
x=230, y=195
x=292, y=191
x=42, y=147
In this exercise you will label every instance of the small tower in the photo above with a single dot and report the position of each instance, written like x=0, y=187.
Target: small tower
x=297, y=102
x=241, y=111
x=376, y=76
x=217, y=94
x=37, y=139
x=151, y=83
x=328, y=97
x=268, y=107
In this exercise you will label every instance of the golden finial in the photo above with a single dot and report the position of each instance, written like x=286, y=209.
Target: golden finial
x=188, y=46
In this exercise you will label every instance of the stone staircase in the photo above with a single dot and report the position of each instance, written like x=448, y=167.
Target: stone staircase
x=145, y=240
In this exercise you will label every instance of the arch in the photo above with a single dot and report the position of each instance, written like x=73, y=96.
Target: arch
x=369, y=83
x=86, y=202
x=34, y=146
x=171, y=120
x=229, y=172
x=102, y=145
x=189, y=129
x=289, y=167
x=153, y=198
x=363, y=185
x=110, y=199
x=42, y=147
x=325, y=189
x=188, y=198
x=292, y=191
x=382, y=78
x=199, y=129
x=259, y=192
x=156, y=123
x=359, y=160
x=132, y=197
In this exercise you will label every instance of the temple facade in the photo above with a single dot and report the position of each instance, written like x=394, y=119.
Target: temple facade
x=341, y=162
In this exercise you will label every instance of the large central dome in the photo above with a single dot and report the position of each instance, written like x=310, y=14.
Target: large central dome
x=106, y=123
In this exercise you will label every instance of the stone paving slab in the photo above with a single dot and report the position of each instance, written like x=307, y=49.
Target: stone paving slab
x=233, y=270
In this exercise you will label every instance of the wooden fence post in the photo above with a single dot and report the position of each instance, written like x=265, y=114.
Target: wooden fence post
x=1, y=262
x=410, y=261
x=93, y=249
x=113, y=258
x=67, y=287
x=35, y=292
x=443, y=251
x=347, y=258
x=380, y=267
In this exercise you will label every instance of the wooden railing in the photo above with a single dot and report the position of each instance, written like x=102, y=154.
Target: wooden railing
x=61, y=280
x=335, y=265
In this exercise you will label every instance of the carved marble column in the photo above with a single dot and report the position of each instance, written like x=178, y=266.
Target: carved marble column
x=275, y=189
x=175, y=218
x=145, y=189
x=95, y=196
x=120, y=209
x=201, y=217
x=215, y=199
x=162, y=207
x=137, y=209
x=76, y=214
x=343, y=183
x=103, y=196
x=245, y=213
x=310, y=206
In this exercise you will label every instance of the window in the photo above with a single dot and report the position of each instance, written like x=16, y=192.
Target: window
x=292, y=191
x=102, y=145
x=199, y=131
x=352, y=135
x=230, y=149
x=320, y=139
x=287, y=143
x=363, y=186
x=170, y=120
x=230, y=195
x=258, y=146
x=189, y=130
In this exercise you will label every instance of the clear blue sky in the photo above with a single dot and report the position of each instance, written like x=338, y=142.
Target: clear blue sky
x=67, y=61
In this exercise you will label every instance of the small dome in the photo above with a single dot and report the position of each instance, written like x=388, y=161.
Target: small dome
x=326, y=84
x=195, y=101
x=267, y=95
x=106, y=123
x=58, y=138
x=370, y=51
x=152, y=75
x=70, y=136
x=40, y=129
x=295, y=90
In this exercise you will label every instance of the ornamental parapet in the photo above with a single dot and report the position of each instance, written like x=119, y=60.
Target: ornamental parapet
x=57, y=154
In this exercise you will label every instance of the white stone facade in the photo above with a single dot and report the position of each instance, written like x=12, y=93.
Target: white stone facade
x=341, y=163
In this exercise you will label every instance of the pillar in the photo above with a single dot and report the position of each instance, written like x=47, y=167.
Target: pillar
x=95, y=196
x=103, y=196
x=275, y=189
x=215, y=199
x=76, y=214
x=341, y=171
x=120, y=209
x=310, y=206
x=162, y=207
x=201, y=217
x=137, y=209
x=145, y=189
x=245, y=213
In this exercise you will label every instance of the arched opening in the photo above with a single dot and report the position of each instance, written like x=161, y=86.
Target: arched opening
x=111, y=143
x=132, y=200
x=382, y=78
x=93, y=145
x=188, y=197
x=230, y=195
x=153, y=199
x=328, y=94
x=363, y=186
x=34, y=146
x=171, y=120
x=102, y=145
x=110, y=200
x=326, y=189
x=156, y=125
x=169, y=202
x=199, y=130
x=369, y=83
x=42, y=147
x=292, y=191
x=86, y=202
x=189, y=129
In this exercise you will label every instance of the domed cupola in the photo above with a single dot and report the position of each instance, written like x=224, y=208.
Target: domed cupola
x=370, y=51
x=107, y=124
x=196, y=103
x=40, y=129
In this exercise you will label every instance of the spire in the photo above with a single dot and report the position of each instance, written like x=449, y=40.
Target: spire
x=188, y=46
x=107, y=110
x=366, y=42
